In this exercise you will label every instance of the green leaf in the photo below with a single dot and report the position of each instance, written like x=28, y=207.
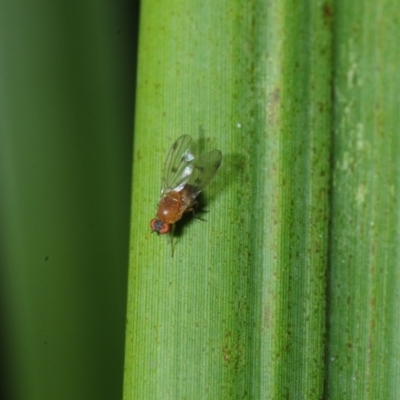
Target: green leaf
x=364, y=324
x=239, y=311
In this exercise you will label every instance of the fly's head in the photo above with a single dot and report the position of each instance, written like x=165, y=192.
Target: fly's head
x=159, y=226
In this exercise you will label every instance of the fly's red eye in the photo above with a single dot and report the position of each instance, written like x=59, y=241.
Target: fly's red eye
x=165, y=228
x=152, y=222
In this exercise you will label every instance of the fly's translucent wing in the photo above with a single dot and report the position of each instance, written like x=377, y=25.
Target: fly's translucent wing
x=178, y=165
x=203, y=170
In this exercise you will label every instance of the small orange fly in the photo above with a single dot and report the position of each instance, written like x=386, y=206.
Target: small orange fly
x=183, y=179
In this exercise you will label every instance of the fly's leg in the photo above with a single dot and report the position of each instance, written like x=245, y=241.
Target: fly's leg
x=171, y=239
x=192, y=209
x=197, y=215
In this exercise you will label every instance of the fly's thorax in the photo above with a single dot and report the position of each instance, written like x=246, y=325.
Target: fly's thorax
x=170, y=207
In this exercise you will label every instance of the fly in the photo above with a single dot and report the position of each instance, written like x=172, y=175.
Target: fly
x=184, y=177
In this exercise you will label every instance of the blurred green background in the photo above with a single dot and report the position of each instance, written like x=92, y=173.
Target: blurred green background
x=67, y=81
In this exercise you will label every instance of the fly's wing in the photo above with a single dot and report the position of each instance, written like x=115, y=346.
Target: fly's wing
x=178, y=165
x=204, y=169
